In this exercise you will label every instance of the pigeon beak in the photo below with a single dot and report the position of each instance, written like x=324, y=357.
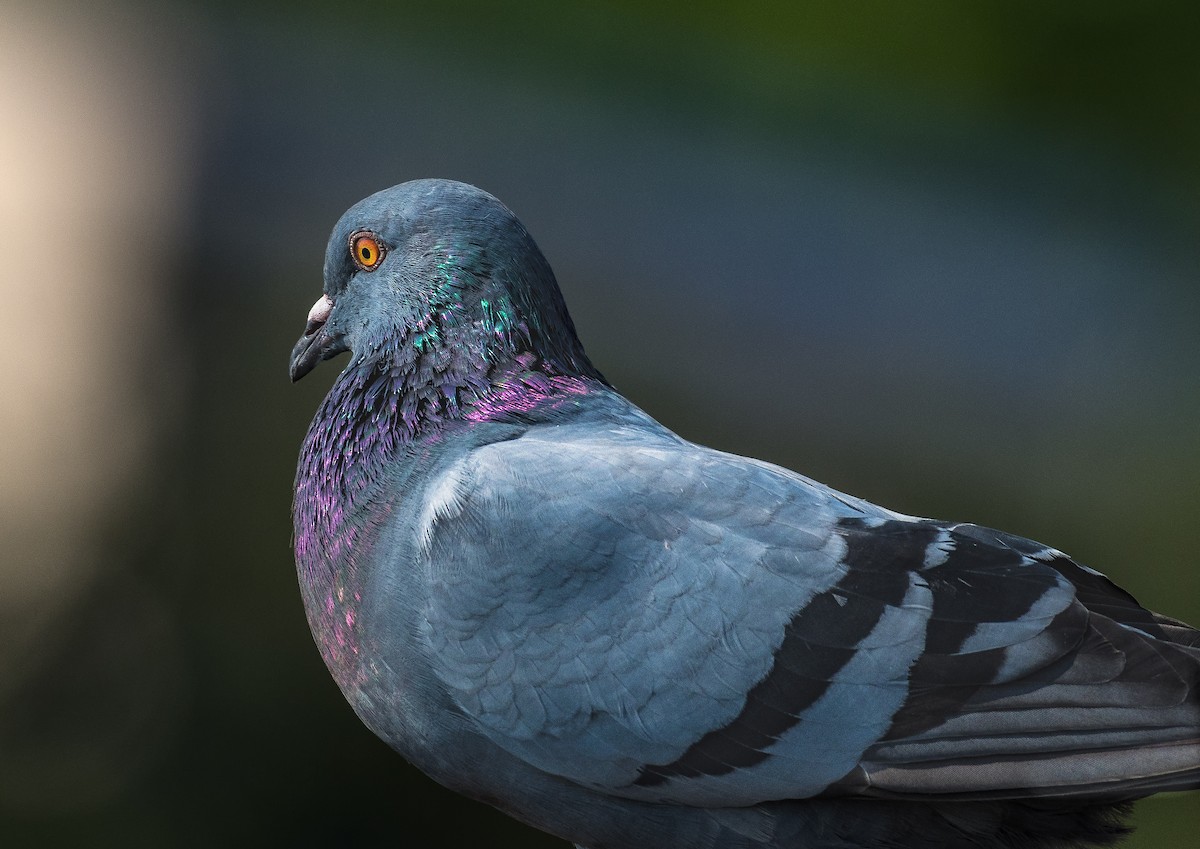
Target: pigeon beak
x=316, y=344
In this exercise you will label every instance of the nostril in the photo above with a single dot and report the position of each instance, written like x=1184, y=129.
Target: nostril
x=318, y=315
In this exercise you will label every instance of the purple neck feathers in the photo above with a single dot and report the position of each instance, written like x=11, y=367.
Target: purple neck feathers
x=403, y=393
x=398, y=397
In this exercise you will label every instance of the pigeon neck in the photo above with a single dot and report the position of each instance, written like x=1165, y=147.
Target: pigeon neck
x=404, y=391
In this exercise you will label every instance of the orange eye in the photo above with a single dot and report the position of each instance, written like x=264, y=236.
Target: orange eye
x=366, y=250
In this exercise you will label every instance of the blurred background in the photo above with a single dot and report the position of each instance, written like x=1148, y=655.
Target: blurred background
x=940, y=255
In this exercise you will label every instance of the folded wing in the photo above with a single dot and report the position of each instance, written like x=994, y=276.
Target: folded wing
x=662, y=621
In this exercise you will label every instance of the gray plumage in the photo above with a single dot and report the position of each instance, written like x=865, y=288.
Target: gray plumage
x=548, y=601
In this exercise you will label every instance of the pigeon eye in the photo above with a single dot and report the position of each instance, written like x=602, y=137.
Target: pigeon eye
x=366, y=250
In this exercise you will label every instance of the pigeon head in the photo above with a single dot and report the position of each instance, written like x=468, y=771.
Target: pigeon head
x=435, y=266
x=450, y=313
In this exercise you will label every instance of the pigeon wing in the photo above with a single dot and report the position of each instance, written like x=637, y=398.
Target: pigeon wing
x=1080, y=691
x=663, y=621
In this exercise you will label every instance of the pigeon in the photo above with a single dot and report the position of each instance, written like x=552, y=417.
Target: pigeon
x=547, y=601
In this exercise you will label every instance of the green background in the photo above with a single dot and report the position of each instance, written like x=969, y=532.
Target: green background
x=940, y=255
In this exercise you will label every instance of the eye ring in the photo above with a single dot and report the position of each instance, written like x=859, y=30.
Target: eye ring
x=366, y=250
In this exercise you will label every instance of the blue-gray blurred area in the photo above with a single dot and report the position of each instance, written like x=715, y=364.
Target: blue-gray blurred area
x=940, y=255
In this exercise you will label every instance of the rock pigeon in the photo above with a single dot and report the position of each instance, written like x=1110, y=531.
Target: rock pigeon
x=547, y=601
